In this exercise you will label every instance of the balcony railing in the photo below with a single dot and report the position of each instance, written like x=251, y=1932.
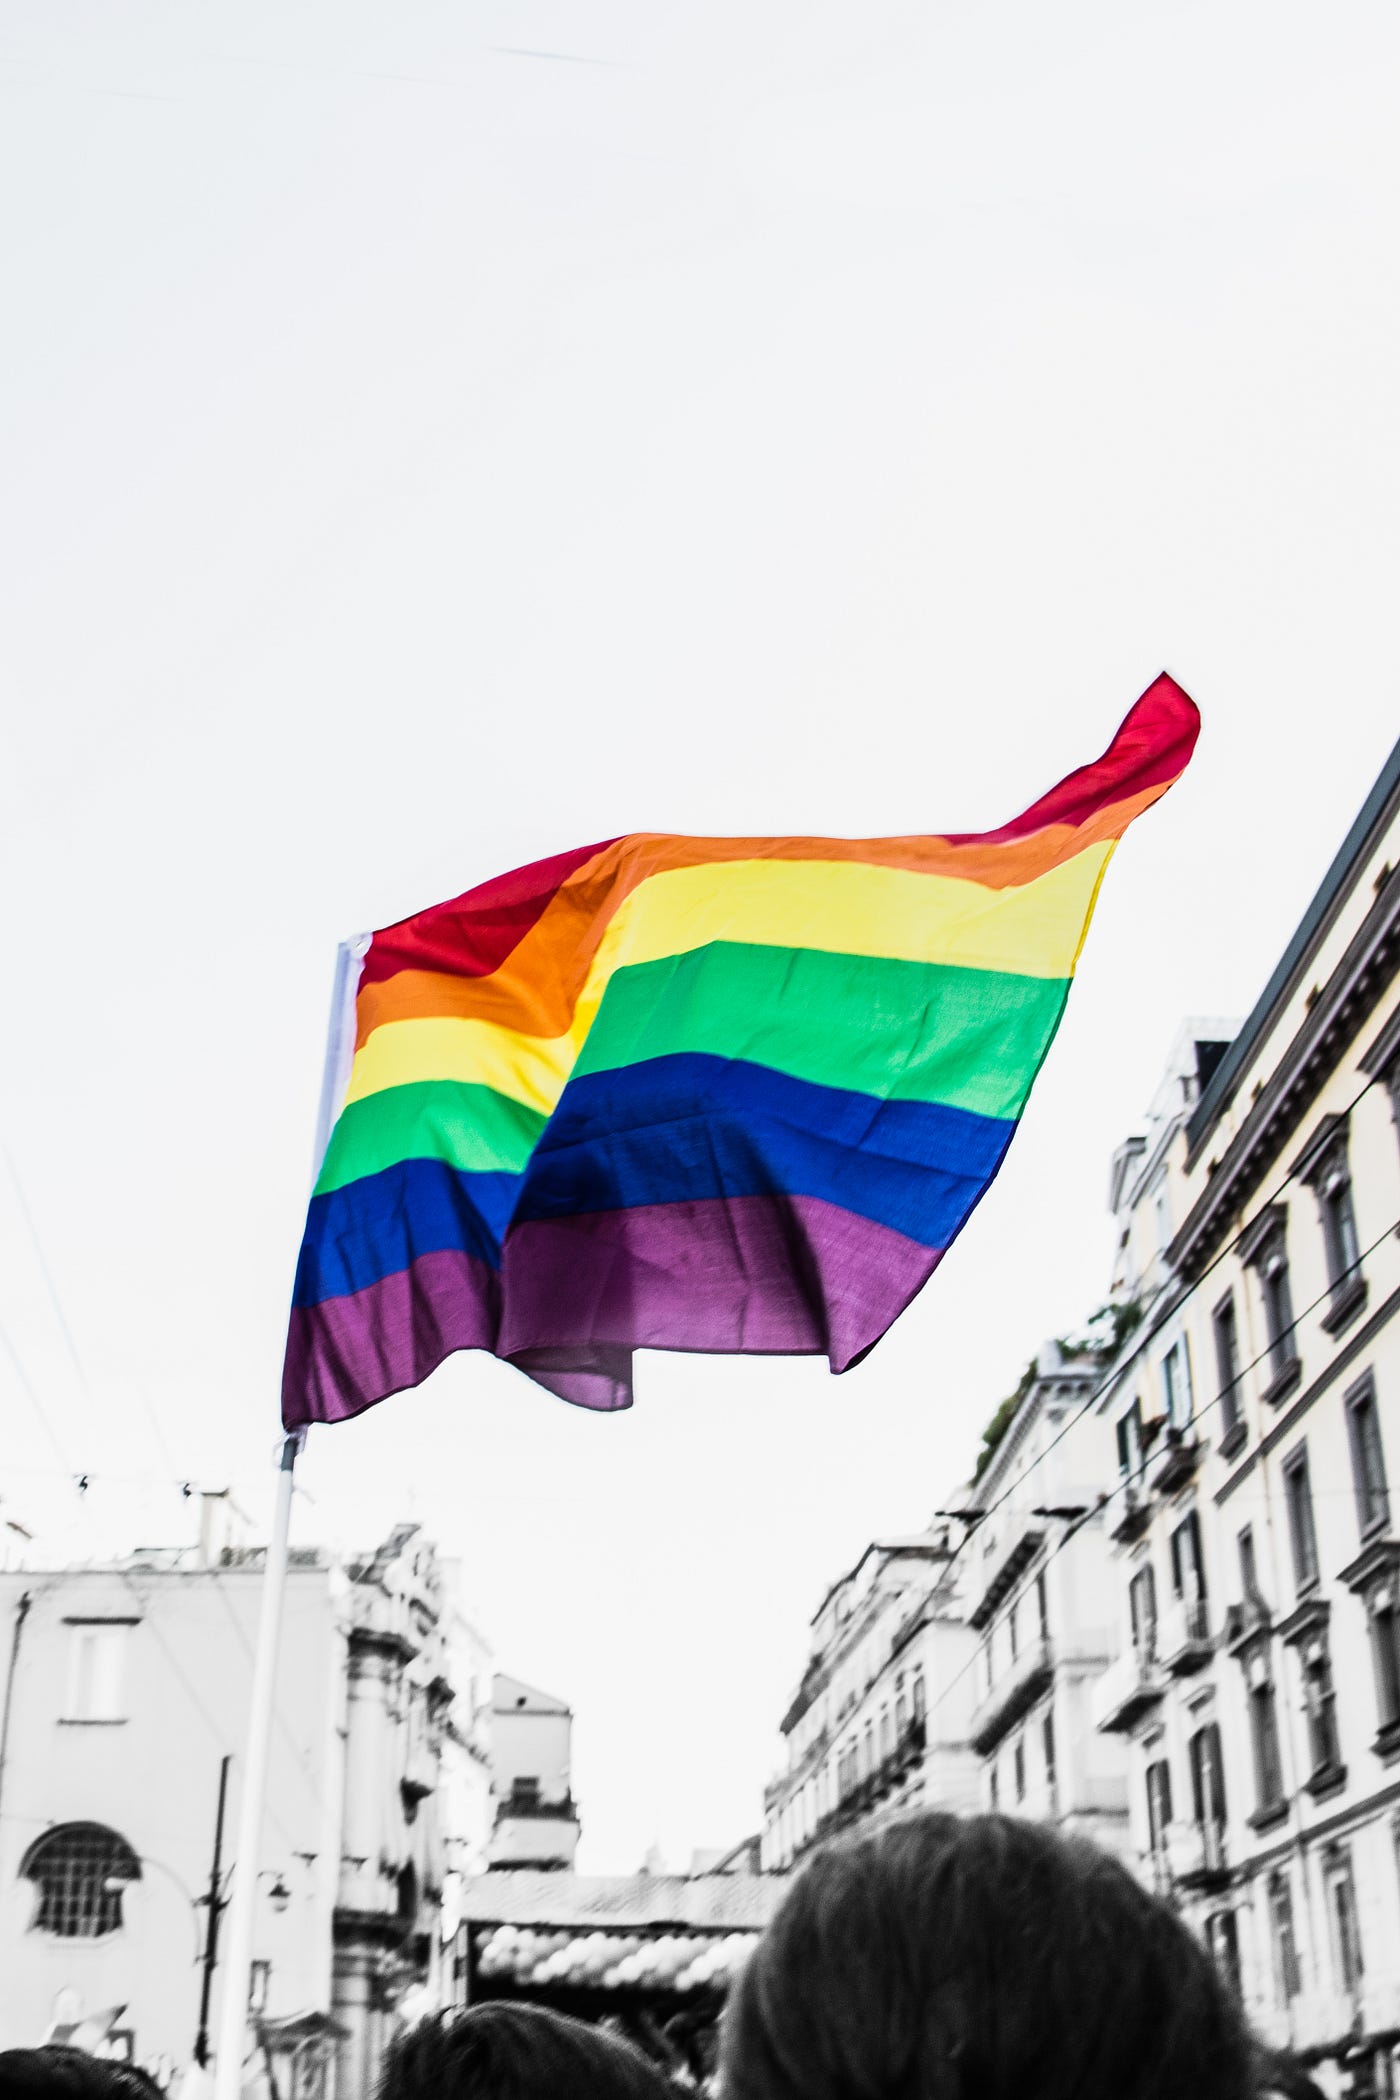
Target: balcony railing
x=1014, y=1692
x=536, y=1808
x=1313, y=2020
x=1133, y=1515
x=867, y=1793
x=1184, y=1639
x=1174, y=1461
x=1125, y=1692
x=1195, y=1855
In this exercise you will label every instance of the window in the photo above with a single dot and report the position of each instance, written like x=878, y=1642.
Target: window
x=1159, y=1804
x=1188, y=1568
x=1320, y=1703
x=97, y=1669
x=1227, y=1371
x=901, y=1706
x=1162, y=1214
x=1385, y=1650
x=1297, y=1490
x=1176, y=1384
x=885, y=1743
x=1342, y=1920
x=80, y=1871
x=1042, y=1605
x=525, y=1787
x=1264, y=1247
x=1223, y=1946
x=994, y=1784
x=1047, y=1737
x=1287, y=1981
x=1263, y=1729
x=1129, y=1433
x=918, y=1693
x=1249, y=1571
x=1013, y=1627
x=1207, y=1778
x=1367, y=1458
x=1018, y=1767
x=1142, y=1605
x=1327, y=1171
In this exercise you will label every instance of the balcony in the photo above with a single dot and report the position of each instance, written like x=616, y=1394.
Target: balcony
x=1174, y=1462
x=1195, y=1855
x=869, y=1792
x=1134, y=1514
x=1014, y=1692
x=1325, y=2021
x=1184, y=1640
x=1019, y=1544
x=1128, y=1689
x=1245, y=1624
x=534, y=1808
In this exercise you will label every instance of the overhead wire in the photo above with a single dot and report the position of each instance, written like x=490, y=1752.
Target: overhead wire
x=1075, y=1525
x=80, y=1372
x=1168, y=1313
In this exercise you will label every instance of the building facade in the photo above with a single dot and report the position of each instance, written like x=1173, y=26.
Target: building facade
x=126, y=1692
x=1256, y=1422
x=879, y=1723
x=1038, y=1556
x=536, y=1824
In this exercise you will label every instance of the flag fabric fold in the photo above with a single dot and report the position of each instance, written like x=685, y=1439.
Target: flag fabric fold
x=730, y=1095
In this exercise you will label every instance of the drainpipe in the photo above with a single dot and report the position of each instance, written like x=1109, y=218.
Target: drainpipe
x=21, y=1614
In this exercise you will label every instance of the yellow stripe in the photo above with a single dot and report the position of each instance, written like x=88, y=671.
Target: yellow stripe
x=526, y=1067
x=844, y=907
x=854, y=908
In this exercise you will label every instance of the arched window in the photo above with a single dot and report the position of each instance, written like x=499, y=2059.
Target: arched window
x=80, y=1871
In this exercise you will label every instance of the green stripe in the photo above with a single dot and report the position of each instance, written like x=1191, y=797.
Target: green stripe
x=471, y=1127
x=906, y=1031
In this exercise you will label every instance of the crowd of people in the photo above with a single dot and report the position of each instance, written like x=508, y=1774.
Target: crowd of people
x=942, y=1958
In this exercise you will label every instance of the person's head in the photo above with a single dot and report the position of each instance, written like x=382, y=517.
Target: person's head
x=517, y=2052
x=978, y=1959
x=70, y=2074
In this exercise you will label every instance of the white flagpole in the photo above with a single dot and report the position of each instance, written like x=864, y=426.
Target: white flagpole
x=242, y=1909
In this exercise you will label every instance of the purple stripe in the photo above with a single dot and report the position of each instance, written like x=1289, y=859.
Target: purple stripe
x=761, y=1275
x=753, y=1275
x=347, y=1353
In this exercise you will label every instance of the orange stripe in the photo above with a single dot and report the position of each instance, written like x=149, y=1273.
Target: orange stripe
x=536, y=988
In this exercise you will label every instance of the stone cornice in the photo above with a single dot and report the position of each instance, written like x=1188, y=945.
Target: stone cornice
x=1351, y=994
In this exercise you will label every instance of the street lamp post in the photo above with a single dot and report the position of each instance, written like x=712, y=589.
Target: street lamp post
x=216, y=1897
x=215, y=1900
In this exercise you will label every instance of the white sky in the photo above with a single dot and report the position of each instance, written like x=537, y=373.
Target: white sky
x=421, y=454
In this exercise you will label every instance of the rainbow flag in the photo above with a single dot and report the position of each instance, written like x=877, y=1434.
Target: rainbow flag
x=733, y=1095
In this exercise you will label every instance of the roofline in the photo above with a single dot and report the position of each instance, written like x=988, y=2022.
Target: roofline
x=1372, y=815
x=914, y=1547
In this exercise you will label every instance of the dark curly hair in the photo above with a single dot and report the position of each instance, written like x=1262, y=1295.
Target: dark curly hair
x=70, y=2074
x=979, y=1959
x=517, y=2052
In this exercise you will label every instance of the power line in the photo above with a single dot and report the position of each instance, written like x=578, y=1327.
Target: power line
x=30, y=1393
x=1121, y=1364
x=1122, y=1486
x=158, y=1435
x=940, y=1697
x=191, y=1689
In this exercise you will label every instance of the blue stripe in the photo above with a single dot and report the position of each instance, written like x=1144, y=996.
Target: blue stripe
x=692, y=1127
x=375, y=1227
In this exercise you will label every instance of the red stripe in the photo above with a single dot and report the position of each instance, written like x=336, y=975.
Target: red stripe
x=1151, y=749
x=473, y=934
